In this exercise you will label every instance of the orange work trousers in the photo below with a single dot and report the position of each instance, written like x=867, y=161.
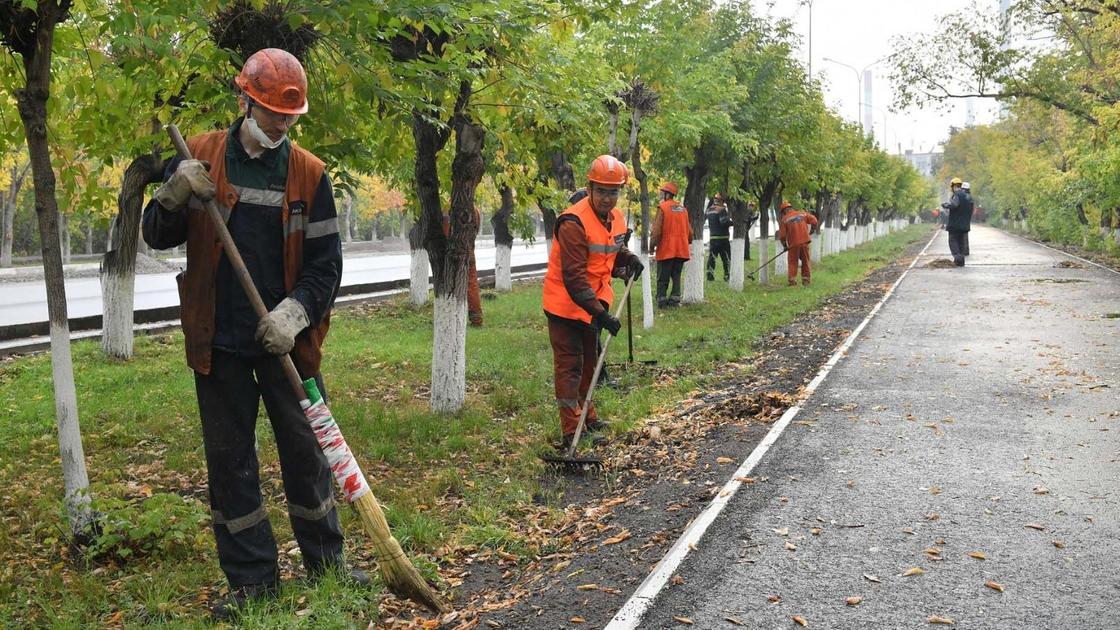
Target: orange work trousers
x=574, y=354
x=798, y=253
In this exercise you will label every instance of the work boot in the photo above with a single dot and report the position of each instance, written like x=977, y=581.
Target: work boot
x=805, y=282
x=231, y=605
x=792, y=283
x=596, y=425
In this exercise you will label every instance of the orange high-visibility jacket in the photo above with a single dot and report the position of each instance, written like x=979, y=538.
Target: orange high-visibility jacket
x=675, y=233
x=793, y=229
x=603, y=246
x=204, y=251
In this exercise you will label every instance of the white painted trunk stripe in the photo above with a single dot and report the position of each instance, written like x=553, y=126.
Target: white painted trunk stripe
x=738, y=271
x=449, y=354
x=502, y=257
x=631, y=613
x=418, y=278
x=647, y=292
x=693, y=275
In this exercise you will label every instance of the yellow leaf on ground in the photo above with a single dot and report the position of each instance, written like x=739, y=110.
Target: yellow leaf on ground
x=614, y=540
x=1035, y=526
x=938, y=619
x=799, y=620
x=734, y=620
x=853, y=601
x=577, y=619
x=912, y=571
x=685, y=620
x=791, y=546
x=995, y=586
x=724, y=460
x=1059, y=544
x=587, y=587
x=782, y=531
x=979, y=555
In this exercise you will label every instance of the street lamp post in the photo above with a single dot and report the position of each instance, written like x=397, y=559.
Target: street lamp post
x=859, y=84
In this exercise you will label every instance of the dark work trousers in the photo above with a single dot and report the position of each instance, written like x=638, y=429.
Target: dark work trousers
x=573, y=362
x=719, y=247
x=669, y=269
x=228, y=401
x=958, y=246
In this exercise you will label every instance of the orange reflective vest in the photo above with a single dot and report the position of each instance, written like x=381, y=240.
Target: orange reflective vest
x=204, y=251
x=603, y=246
x=675, y=231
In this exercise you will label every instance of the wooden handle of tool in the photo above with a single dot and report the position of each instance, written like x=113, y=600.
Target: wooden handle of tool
x=238, y=264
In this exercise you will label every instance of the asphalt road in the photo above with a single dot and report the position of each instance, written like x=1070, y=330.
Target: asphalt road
x=26, y=302
x=977, y=414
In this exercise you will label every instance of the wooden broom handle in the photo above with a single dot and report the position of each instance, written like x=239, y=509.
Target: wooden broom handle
x=238, y=264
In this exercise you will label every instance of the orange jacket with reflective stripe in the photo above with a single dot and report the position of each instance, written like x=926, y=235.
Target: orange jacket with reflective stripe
x=204, y=251
x=793, y=229
x=603, y=246
x=676, y=231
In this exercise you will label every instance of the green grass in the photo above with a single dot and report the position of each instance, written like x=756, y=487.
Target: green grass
x=447, y=481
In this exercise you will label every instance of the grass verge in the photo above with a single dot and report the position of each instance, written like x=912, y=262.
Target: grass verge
x=449, y=482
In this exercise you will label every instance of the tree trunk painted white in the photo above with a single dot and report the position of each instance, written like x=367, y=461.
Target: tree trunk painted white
x=764, y=254
x=647, y=291
x=418, y=280
x=117, y=299
x=503, y=280
x=693, y=275
x=830, y=241
x=815, y=247
x=738, y=250
x=781, y=263
x=548, y=247
x=449, y=354
x=1116, y=235
x=74, y=475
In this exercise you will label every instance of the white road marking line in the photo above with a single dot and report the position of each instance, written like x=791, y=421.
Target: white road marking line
x=630, y=615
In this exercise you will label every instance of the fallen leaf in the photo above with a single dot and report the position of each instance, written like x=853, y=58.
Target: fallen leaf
x=560, y=566
x=933, y=551
x=995, y=586
x=577, y=619
x=724, y=460
x=587, y=587
x=912, y=571
x=799, y=620
x=614, y=540
x=791, y=546
x=745, y=479
x=685, y=620
x=871, y=578
x=677, y=580
x=782, y=531
x=774, y=599
x=1040, y=528
x=853, y=601
x=734, y=620
x=935, y=490
x=907, y=530
x=979, y=555
x=1041, y=490
x=1059, y=544
x=945, y=621
x=816, y=531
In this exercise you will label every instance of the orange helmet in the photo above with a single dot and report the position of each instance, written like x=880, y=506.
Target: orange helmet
x=669, y=187
x=275, y=80
x=607, y=169
x=786, y=204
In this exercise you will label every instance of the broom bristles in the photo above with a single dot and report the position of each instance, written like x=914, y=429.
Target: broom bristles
x=396, y=569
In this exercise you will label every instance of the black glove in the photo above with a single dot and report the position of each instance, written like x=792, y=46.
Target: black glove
x=945, y=205
x=608, y=322
x=634, y=269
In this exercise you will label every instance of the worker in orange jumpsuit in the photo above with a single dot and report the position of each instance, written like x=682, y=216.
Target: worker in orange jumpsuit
x=588, y=248
x=793, y=232
x=670, y=235
x=474, y=292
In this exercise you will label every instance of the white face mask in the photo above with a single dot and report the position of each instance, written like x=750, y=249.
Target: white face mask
x=258, y=134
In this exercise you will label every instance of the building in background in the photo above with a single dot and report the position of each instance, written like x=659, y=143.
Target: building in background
x=926, y=163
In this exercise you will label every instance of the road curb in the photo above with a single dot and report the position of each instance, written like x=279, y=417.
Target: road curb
x=629, y=617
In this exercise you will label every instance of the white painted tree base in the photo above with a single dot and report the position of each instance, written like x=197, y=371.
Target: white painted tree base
x=449, y=354
x=117, y=301
x=781, y=263
x=548, y=246
x=763, y=274
x=75, y=479
x=647, y=292
x=693, y=274
x=815, y=247
x=738, y=250
x=503, y=280
x=418, y=278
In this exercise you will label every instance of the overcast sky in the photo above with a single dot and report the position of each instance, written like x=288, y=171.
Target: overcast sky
x=859, y=32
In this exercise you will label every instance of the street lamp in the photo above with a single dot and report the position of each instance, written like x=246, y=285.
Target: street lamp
x=859, y=83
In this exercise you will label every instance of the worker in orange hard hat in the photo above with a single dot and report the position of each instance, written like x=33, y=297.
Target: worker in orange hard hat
x=281, y=215
x=670, y=236
x=587, y=250
x=793, y=232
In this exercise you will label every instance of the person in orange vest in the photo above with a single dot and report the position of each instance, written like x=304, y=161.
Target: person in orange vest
x=474, y=292
x=282, y=217
x=793, y=232
x=670, y=235
x=588, y=249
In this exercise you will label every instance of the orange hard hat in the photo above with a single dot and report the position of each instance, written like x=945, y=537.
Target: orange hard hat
x=670, y=188
x=607, y=169
x=786, y=204
x=275, y=80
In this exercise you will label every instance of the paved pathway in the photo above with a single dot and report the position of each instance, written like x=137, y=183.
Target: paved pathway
x=979, y=412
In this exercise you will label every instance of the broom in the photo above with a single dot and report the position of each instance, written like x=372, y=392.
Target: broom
x=396, y=570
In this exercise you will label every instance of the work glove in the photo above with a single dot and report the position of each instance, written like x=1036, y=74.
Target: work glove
x=634, y=269
x=277, y=331
x=608, y=322
x=192, y=176
x=945, y=205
